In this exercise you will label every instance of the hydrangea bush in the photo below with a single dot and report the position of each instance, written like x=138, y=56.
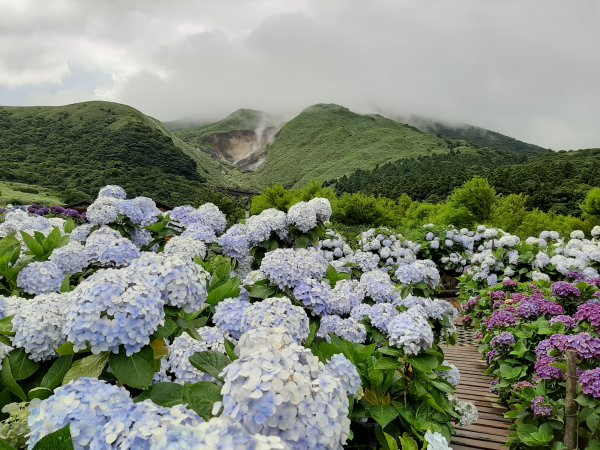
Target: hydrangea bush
x=526, y=330
x=151, y=330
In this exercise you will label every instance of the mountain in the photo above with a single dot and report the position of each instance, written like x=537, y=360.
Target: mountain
x=240, y=139
x=479, y=137
x=326, y=141
x=76, y=149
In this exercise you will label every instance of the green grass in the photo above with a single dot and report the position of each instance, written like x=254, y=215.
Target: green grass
x=328, y=141
x=15, y=193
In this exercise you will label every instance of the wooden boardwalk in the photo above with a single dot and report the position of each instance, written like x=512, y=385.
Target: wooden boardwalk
x=491, y=431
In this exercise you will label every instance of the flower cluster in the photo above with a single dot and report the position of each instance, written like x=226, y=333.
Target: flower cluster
x=112, y=308
x=284, y=391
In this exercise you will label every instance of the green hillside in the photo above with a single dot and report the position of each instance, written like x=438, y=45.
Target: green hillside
x=328, y=141
x=26, y=194
x=479, y=137
x=76, y=149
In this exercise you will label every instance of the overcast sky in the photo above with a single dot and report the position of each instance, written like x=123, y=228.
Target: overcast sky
x=526, y=68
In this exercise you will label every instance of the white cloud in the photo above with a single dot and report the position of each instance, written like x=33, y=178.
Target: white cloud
x=520, y=67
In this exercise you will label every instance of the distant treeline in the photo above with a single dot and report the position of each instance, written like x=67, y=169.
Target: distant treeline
x=554, y=182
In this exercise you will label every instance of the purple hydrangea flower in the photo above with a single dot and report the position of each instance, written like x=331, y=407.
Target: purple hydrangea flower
x=590, y=382
x=540, y=408
x=522, y=385
x=503, y=339
x=589, y=311
x=545, y=371
x=567, y=321
x=501, y=319
x=564, y=289
x=586, y=346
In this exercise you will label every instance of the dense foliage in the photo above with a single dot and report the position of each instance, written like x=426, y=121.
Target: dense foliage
x=555, y=183
x=463, y=208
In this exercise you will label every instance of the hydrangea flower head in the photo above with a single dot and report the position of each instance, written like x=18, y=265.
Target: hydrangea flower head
x=286, y=268
x=184, y=346
x=181, y=282
x=341, y=368
x=38, y=325
x=71, y=258
x=112, y=191
x=286, y=392
x=227, y=315
x=379, y=286
x=87, y=405
x=140, y=210
x=185, y=246
x=275, y=312
x=103, y=210
x=113, y=308
x=40, y=278
x=349, y=329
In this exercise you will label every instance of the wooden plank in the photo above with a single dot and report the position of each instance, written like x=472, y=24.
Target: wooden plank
x=483, y=429
x=477, y=444
x=483, y=436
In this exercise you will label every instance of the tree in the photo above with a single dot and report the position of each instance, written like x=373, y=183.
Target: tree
x=508, y=212
x=477, y=196
x=591, y=205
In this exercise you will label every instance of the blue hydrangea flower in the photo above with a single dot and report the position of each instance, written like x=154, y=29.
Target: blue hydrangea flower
x=314, y=294
x=235, y=242
x=113, y=308
x=71, y=258
x=411, y=331
x=350, y=329
x=366, y=261
x=103, y=211
x=107, y=248
x=140, y=210
x=38, y=324
x=379, y=286
x=183, y=346
x=341, y=368
x=181, y=282
x=87, y=405
x=277, y=311
x=260, y=227
x=219, y=433
x=144, y=425
x=141, y=237
x=286, y=268
x=285, y=391
x=228, y=313
x=185, y=246
x=81, y=233
x=346, y=295
x=200, y=232
x=435, y=441
x=112, y=191
x=381, y=314
x=452, y=376
x=303, y=216
x=40, y=278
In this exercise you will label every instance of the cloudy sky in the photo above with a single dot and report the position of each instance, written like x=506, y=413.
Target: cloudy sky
x=526, y=68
